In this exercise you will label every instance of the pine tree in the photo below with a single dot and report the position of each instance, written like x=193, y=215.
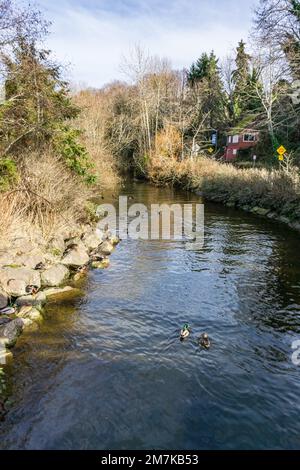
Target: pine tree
x=36, y=108
x=241, y=80
x=204, y=78
x=36, y=98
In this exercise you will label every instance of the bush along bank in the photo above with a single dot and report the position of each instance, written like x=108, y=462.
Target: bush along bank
x=32, y=275
x=271, y=193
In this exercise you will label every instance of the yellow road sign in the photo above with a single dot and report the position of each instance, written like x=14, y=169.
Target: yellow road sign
x=211, y=150
x=281, y=150
x=281, y=158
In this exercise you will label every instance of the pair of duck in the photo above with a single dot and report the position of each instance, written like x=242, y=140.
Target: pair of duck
x=203, y=341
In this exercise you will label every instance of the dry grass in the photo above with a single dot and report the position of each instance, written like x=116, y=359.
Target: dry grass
x=168, y=142
x=276, y=190
x=48, y=199
x=92, y=121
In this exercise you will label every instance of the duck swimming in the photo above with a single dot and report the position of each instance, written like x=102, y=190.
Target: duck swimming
x=204, y=341
x=185, y=332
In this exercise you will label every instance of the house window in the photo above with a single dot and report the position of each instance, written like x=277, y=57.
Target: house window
x=234, y=151
x=249, y=138
x=235, y=139
x=229, y=139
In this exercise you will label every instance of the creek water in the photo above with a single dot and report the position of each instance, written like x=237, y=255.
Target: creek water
x=109, y=372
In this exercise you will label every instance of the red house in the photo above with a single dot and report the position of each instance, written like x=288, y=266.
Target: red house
x=239, y=140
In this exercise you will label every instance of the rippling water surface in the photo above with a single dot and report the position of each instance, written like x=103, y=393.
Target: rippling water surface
x=110, y=372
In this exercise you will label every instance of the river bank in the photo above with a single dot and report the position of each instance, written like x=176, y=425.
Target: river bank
x=80, y=379
x=269, y=193
x=32, y=274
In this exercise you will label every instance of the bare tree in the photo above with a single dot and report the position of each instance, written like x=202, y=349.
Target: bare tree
x=20, y=21
x=278, y=22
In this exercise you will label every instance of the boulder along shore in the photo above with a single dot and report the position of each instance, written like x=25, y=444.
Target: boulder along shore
x=32, y=274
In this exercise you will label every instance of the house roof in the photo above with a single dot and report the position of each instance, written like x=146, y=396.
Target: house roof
x=237, y=130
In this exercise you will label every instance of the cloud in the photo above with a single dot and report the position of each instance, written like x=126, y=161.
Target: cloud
x=94, y=35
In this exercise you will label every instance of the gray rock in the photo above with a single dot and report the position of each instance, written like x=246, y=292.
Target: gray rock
x=57, y=245
x=107, y=235
x=16, y=287
x=106, y=248
x=3, y=299
x=55, y=276
x=7, y=259
x=11, y=331
x=56, y=294
x=5, y=355
x=91, y=240
x=4, y=321
x=23, y=245
x=37, y=300
x=296, y=225
x=77, y=256
x=30, y=260
x=260, y=211
x=100, y=234
x=284, y=220
x=30, y=313
x=15, y=280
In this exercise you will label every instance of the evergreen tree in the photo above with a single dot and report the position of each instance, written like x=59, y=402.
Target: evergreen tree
x=241, y=79
x=245, y=82
x=36, y=98
x=36, y=108
x=204, y=78
x=199, y=70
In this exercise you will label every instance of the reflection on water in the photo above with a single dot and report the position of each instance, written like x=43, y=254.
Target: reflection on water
x=110, y=372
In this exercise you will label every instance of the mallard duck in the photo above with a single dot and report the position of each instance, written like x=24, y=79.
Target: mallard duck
x=97, y=257
x=70, y=247
x=204, y=341
x=82, y=270
x=32, y=289
x=40, y=266
x=185, y=332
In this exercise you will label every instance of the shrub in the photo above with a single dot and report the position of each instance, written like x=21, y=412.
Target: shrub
x=74, y=154
x=276, y=190
x=48, y=199
x=8, y=173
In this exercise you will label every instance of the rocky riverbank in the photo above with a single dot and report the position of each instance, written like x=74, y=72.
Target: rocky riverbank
x=32, y=274
x=269, y=193
x=256, y=210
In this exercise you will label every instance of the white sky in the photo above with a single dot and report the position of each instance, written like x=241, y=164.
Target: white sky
x=93, y=35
